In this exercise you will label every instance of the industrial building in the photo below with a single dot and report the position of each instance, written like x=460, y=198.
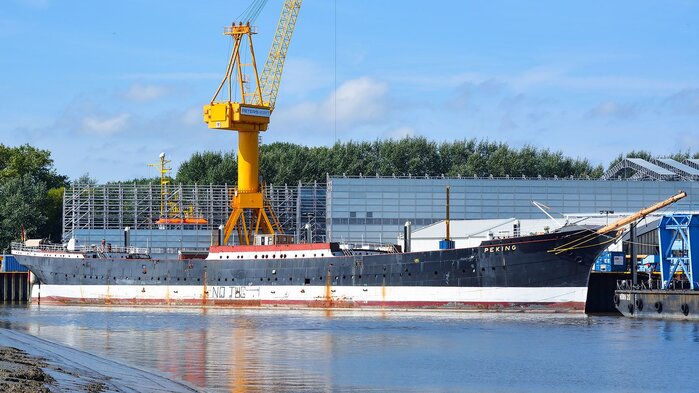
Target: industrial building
x=368, y=209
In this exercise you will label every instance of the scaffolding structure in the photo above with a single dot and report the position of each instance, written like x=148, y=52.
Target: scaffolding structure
x=93, y=212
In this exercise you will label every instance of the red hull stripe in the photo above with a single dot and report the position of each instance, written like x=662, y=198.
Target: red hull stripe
x=274, y=247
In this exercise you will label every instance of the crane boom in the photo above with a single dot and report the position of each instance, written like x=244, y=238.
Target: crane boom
x=274, y=65
x=642, y=213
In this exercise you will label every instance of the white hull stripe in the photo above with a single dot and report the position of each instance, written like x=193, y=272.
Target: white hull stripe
x=309, y=294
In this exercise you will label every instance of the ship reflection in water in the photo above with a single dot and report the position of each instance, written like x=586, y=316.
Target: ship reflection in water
x=315, y=350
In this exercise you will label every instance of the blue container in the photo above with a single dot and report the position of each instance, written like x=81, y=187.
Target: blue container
x=611, y=261
x=446, y=244
x=10, y=264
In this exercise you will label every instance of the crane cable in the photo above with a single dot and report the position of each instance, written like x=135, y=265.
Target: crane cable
x=251, y=13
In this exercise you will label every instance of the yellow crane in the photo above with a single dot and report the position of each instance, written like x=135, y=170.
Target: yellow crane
x=249, y=114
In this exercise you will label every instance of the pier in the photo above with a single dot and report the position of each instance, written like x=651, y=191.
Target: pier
x=14, y=286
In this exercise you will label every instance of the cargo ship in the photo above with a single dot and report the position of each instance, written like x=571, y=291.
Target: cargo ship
x=546, y=271
x=512, y=273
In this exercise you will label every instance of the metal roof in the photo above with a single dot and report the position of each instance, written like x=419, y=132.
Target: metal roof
x=643, y=169
x=681, y=169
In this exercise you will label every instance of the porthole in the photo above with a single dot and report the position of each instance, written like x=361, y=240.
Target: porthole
x=225, y=279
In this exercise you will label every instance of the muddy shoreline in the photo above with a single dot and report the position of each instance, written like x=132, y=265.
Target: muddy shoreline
x=22, y=373
x=29, y=364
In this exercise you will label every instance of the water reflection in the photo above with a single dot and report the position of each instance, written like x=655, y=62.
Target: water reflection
x=282, y=350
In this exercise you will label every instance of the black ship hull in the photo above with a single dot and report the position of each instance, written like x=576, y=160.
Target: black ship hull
x=547, y=271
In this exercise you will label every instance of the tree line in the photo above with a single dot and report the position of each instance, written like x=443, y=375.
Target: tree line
x=287, y=163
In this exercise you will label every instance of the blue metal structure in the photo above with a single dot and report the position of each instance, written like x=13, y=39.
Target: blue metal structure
x=675, y=235
x=10, y=264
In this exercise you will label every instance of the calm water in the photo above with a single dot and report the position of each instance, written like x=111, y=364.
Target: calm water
x=279, y=350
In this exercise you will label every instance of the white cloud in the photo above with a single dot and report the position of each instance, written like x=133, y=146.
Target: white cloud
x=613, y=110
x=359, y=101
x=140, y=93
x=684, y=102
x=193, y=116
x=468, y=94
x=546, y=77
x=105, y=126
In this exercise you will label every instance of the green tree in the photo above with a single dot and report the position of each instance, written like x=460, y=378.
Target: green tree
x=208, y=168
x=31, y=194
x=22, y=203
x=21, y=160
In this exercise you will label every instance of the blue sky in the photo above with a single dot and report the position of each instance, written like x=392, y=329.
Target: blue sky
x=107, y=86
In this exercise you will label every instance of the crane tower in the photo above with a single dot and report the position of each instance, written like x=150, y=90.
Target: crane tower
x=249, y=114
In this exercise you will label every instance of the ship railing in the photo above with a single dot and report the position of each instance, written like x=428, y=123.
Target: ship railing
x=18, y=246
x=385, y=247
x=674, y=284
